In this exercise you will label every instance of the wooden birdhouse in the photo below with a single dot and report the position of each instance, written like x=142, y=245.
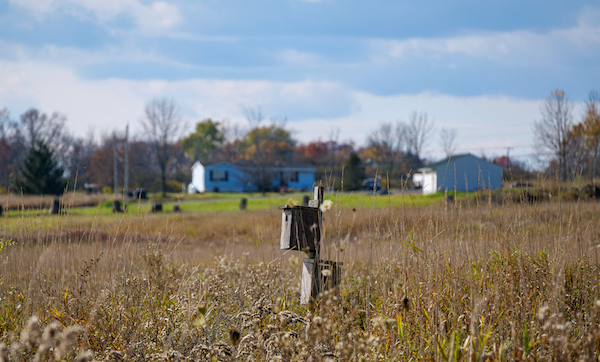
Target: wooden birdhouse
x=300, y=228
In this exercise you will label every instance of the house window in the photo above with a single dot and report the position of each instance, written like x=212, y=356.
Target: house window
x=294, y=176
x=218, y=175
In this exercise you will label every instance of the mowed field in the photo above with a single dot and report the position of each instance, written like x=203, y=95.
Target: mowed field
x=423, y=279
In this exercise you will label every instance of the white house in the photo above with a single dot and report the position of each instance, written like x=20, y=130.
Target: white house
x=238, y=177
x=464, y=172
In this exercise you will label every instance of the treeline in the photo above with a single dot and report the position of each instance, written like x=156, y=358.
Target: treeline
x=160, y=157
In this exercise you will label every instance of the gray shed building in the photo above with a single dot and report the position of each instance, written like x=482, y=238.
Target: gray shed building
x=461, y=173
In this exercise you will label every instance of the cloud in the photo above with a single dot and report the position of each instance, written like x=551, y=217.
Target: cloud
x=488, y=123
x=154, y=17
x=108, y=103
x=519, y=46
x=314, y=109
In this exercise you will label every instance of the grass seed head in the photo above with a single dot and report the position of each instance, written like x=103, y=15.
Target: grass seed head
x=31, y=336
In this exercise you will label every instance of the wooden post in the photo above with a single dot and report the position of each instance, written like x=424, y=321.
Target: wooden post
x=117, y=206
x=55, y=207
x=301, y=230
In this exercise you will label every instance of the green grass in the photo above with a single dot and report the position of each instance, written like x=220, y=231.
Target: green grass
x=218, y=202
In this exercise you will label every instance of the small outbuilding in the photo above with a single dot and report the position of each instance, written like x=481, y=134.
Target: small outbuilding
x=245, y=176
x=464, y=172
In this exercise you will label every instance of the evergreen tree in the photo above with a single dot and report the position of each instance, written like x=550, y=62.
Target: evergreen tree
x=42, y=175
x=354, y=173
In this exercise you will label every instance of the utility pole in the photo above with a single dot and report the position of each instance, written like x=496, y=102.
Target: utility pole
x=115, y=170
x=508, y=160
x=126, y=171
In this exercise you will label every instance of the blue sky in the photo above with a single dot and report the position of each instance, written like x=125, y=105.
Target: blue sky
x=482, y=67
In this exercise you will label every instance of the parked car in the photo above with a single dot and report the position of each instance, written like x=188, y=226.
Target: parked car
x=370, y=184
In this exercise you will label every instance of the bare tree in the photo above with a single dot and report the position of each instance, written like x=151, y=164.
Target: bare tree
x=39, y=126
x=6, y=124
x=162, y=124
x=418, y=133
x=448, y=141
x=551, y=132
x=388, y=140
x=254, y=116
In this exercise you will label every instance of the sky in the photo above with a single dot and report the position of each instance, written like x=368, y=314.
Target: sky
x=329, y=67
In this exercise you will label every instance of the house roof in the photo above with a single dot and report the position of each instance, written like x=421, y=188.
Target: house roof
x=242, y=165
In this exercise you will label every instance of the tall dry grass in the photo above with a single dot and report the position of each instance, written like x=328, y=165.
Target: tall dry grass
x=475, y=280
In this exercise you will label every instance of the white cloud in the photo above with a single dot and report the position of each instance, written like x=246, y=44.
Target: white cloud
x=109, y=103
x=519, y=46
x=154, y=17
x=299, y=58
x=488, y=123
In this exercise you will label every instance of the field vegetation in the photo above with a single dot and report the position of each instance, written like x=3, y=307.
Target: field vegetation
x=482, y=278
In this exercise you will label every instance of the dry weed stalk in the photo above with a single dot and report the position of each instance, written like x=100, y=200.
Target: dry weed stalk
x=466, y=281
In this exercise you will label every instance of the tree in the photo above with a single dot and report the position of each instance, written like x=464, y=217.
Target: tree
x=552, y=130
x=354, y=173
x=206, y=139
x=42, y=174
x=418, y=133
x=315, y=152
x=162, y=124
x=585, y=136
x=39, y=126
x=265, y=146
x=386, y=143
x=448, y=141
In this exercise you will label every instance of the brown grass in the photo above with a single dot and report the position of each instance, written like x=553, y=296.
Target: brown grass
x=36, y=202
x=473, y=281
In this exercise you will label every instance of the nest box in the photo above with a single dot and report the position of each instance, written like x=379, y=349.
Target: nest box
x=300, y=228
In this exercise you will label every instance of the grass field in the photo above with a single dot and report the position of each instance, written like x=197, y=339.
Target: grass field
x=422, y=279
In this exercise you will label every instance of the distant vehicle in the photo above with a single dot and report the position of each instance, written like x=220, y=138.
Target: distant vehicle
x=370, y=184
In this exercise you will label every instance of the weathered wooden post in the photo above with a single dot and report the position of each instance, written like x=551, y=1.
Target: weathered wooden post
x=55, y=207
x=117, y=206
x=301, y=230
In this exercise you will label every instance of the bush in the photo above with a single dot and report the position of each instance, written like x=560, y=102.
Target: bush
x=173, y=186
x=107, y=190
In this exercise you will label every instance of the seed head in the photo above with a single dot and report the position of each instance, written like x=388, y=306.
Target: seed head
x=326, y=205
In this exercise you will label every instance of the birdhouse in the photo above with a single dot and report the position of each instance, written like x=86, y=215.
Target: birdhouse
x=300, y=228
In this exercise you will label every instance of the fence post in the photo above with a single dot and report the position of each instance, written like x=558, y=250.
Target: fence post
x=117, y=206
x=55, y=207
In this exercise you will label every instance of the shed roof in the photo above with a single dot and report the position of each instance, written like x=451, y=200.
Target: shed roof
x=454, y=158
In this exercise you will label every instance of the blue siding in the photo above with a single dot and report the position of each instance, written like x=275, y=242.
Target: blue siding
x=468, y=173
x=239, y=181
x=305, y=179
